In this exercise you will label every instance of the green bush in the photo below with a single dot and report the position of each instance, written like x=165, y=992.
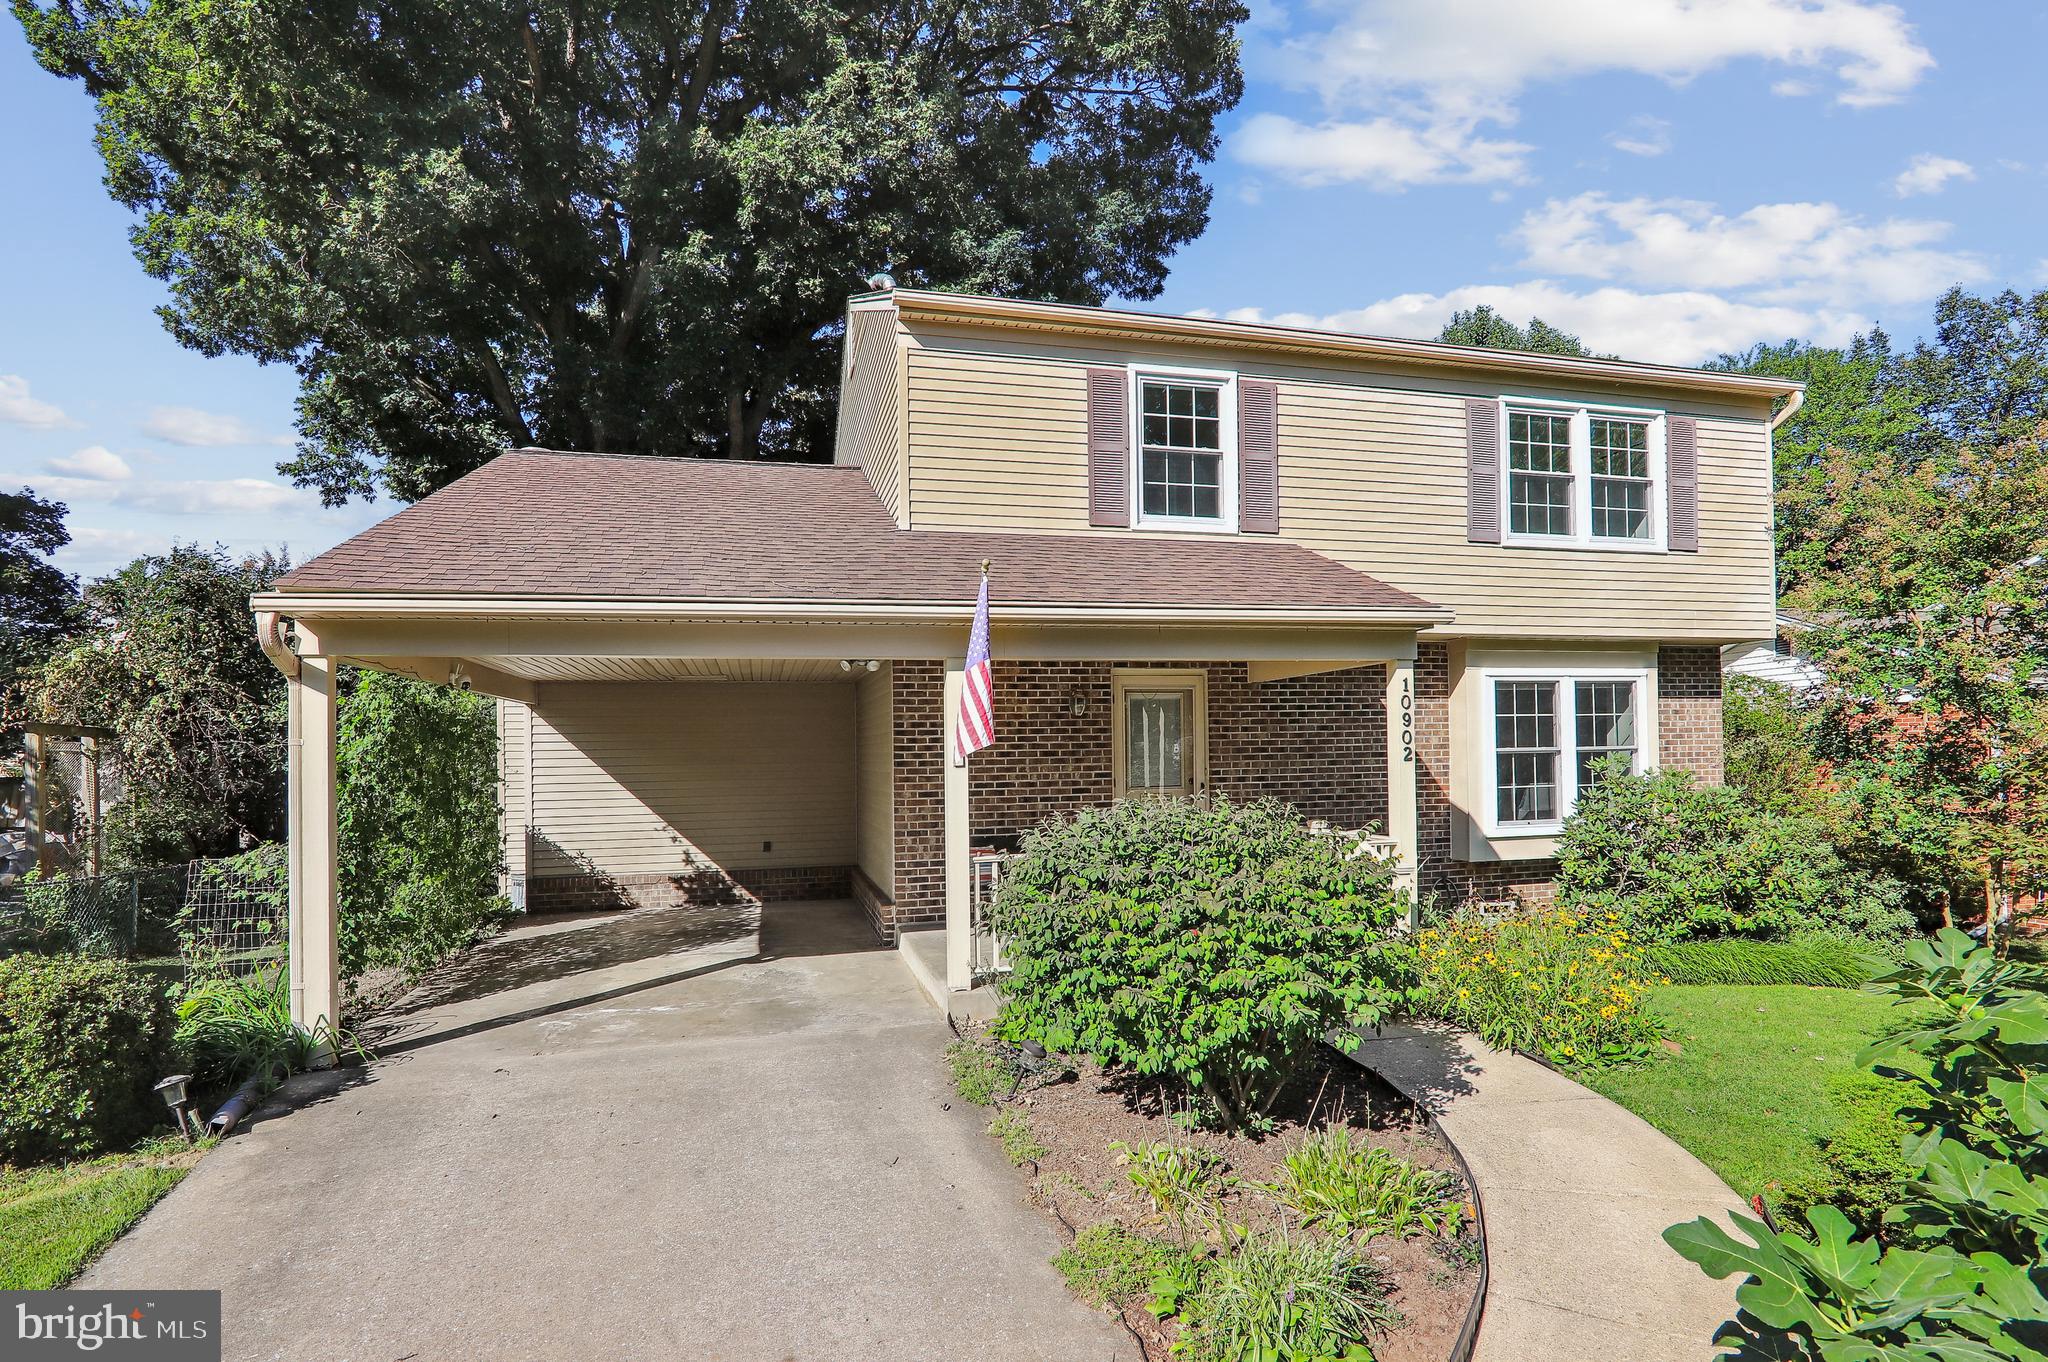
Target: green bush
x=417, y=788
x=1865, y=1166
x=1555, y=983
x=1277, y=1298
x=82, y=1042
x=1212, y=942
x=1675, y=859
x=1818, y=959
x=1110, y=1265
x=1348, y=1188
x=1961, y=1275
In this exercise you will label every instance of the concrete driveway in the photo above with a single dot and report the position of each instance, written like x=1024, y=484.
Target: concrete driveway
x=666, y=1134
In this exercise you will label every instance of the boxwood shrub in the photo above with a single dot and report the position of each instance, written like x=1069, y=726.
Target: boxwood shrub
x=1209, y=942
x=82, y=1042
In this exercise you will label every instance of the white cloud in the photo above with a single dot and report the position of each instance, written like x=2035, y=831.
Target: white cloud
x=222, y=496
x=205, y=429
x=1406, y=84
x=1644, y=135
x=94, y=461
x=1777, y=252
x=1380, y=152
x=18, y=408
x=1930, y=174
x=1462, y=53
x=1676, y=327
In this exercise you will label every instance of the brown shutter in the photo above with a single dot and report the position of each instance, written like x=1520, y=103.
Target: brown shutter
x=1682, y=484
x=1482, y=471
x=1258, y=456
x=1109, y=447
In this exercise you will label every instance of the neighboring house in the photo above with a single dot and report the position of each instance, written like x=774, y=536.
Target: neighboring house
x=1408, y=587
x=1776, y=659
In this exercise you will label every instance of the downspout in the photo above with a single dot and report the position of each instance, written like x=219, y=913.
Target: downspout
x=270, y=634
x=1793, y=404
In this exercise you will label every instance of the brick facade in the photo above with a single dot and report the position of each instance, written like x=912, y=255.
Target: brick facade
x=1689, y=711
x=1318, y=742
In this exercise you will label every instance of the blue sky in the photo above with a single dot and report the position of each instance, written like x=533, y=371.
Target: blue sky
x=1668, y=178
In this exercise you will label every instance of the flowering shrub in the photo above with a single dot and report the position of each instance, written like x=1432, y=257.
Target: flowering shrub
x=1564, y=985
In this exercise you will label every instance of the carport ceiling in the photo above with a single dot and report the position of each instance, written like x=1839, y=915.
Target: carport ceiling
x=668, y=668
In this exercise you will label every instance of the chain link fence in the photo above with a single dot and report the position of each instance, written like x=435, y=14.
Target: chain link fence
x=230, y=913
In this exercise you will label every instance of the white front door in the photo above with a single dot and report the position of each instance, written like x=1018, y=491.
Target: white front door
x=1160, y=748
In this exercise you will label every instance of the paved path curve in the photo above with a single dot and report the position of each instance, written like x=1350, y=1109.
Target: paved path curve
x=1576, y=1193
x=668, y=1134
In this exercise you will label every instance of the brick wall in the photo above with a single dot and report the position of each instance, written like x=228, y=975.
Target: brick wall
x=920, y=774
x=1689, y=711
x=1318, y=742
x=707, y=886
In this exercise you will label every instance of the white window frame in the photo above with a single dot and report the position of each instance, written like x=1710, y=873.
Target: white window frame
x=1225, y=382
x=1124, y=680
x=1582, y=536
x=1566, y=680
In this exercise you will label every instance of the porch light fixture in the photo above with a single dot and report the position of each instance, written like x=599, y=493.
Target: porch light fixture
x=1077, y=702
x=850, y=664
x=172, y=1090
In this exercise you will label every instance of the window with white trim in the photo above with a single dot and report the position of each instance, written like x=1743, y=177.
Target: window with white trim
x=1186, y=450
x=1582, y=476
x=1549, y=736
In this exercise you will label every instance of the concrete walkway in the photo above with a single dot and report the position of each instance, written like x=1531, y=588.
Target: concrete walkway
x=666, y=1134
x=1576, y=1193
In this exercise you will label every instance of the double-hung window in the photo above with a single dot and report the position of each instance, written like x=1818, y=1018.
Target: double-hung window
x=1186, y=443
x=1582, y=477
x=1550, y=736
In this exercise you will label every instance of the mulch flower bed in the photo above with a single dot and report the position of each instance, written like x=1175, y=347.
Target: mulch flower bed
x=1075, y=1113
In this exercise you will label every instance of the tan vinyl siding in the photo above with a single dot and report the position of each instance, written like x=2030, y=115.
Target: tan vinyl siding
x=876, y=801
x=657, y=779
x=871, y=405
x=513, y=718
x=1372, y=473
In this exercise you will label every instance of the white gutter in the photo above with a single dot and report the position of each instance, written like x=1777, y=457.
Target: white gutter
x=340, y=605
x=1798, y=400
x=270, y=636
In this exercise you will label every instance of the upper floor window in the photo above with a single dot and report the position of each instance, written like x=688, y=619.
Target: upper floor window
x=1583, y=476
x=1185, y=439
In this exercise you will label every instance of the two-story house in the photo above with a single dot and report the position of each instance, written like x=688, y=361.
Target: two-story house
x=1413, y=588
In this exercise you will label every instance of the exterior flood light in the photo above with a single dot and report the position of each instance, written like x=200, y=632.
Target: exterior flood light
x=172, y=1090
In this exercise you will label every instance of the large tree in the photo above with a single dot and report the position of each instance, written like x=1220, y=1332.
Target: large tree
x=37, y=600
x=166, y=657
x=633, y=227
x=1484, y=327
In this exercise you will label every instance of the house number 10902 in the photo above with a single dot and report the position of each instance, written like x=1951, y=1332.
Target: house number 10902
x=1407, y=720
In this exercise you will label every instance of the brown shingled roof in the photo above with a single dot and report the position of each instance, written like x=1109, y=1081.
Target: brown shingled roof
x=539, y=523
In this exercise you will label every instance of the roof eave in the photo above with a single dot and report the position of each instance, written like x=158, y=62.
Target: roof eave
x=918, y=304
x=342, y=604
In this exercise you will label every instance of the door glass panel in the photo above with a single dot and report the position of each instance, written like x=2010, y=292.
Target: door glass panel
x=1155, y=736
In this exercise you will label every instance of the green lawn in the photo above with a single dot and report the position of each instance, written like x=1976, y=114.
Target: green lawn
x=1747, y=1094
x=56, y=1218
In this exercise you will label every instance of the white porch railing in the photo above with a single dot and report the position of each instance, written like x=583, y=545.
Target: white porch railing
x=987, y=867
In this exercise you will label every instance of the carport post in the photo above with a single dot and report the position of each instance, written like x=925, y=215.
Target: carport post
x=314, y=963
x=959, y=865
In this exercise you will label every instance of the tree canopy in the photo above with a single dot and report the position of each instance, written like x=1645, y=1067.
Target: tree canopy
x=1484, y=327
x=165, y=656
x=37, y=599
x=469, y=223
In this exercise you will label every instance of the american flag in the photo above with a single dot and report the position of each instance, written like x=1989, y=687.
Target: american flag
x=975, y=726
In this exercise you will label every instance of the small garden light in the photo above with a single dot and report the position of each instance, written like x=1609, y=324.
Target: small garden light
x=173, y=1091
